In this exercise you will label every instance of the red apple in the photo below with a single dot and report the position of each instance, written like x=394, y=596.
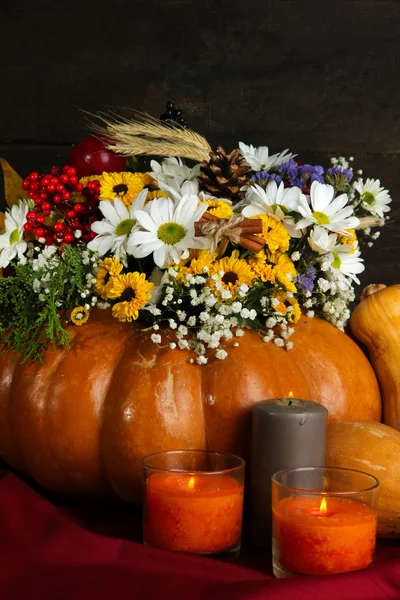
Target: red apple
x=91, y=157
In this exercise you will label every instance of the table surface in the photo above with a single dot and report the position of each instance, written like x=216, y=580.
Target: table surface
x=60, y=550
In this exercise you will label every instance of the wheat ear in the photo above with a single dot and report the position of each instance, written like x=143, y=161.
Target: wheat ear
x=146, y=135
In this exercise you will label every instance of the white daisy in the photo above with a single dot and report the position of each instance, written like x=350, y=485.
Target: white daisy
x=113, y=231
x=350, y=264
x=12, y=243
x=168, y=230
x=173, y=169
x=177, y=190
x=374, y=198
x=325, y=210
x=275, y=200
x=322, y=241
x=258, y=158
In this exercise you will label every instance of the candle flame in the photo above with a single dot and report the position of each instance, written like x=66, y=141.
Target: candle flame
x=290, y=395
x=191, y=483
x=322, y=507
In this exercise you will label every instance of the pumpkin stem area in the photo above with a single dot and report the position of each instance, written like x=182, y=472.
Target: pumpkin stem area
x=371, y=289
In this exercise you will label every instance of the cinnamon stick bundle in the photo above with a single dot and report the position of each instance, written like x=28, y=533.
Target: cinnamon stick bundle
x=247, y=227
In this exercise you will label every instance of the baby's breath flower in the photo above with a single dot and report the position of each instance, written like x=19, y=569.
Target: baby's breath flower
x=221, y=354
x=201, y=360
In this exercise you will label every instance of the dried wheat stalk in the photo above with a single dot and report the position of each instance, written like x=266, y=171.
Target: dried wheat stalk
x=146, y=135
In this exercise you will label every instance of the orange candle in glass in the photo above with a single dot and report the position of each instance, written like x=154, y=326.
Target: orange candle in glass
x=324, y=521
x=193, y=502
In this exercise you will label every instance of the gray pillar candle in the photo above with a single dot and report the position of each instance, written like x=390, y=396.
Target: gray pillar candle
x=287, y=433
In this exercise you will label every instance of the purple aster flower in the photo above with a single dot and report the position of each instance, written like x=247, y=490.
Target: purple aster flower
x=306, y=280
x=344, y=175
x=289, y=168
x=310, y=173
x=263, y=177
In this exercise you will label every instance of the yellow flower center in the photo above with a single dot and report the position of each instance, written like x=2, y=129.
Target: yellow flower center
x=321, y=218
x=14, y=237
x=171, y=233
x=125, y=227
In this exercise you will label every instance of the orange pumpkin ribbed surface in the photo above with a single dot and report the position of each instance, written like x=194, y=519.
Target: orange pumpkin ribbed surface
x=82, y=421
x=375, y=322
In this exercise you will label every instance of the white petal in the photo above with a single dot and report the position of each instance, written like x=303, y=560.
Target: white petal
x=121, y=209
x=102, y=227
x=253, y=210
x=185, y=210
x=138, y=203
x=321, y=195
x=342, y=214
x=142, y=237
x=160, y=256
x=161, y=211
x=304, y=223
x=108, y=210
x=337, y=204
x=145, y=220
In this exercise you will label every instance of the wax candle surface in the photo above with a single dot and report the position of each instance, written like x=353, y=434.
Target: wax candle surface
x=199, y=514
x=313, y=543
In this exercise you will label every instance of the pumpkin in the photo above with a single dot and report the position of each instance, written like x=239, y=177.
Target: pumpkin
x=373, y=448
x=375, y=322
x=82, y=421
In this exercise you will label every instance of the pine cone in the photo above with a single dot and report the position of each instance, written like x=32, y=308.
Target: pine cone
x=223, y=174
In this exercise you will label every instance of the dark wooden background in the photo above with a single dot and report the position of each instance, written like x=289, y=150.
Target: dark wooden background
x=320, y=77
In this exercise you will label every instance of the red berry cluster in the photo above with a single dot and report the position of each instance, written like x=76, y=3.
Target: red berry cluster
x=62, y=206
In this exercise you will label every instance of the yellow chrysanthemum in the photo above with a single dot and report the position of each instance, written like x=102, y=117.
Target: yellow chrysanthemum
x=236, y=271
x=274, y=233
x=79, y=315
x=108, y=269
x=156, y=194
x=295, y=313
x=147, y=180
x=349, y=240
x=133, y=292
x=261, y=267
x=284, y=269
x=85, y=180
x=124, y=186
x=219, y=209
x=292, y=315
x=202, y=259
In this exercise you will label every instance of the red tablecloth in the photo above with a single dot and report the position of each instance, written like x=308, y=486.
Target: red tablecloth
x=47, y=554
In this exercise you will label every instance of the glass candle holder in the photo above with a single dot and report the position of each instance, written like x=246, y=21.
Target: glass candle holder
x=193, y=502
x=324, y=520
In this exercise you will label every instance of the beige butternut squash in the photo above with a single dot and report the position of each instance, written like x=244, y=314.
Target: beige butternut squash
x=375, y=449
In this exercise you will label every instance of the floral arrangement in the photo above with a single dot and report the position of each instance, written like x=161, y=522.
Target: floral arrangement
x=201, y=242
